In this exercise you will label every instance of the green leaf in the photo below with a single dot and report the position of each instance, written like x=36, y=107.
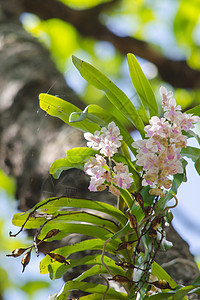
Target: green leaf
x=113, y=93
x=57, y=270
x=75, y=159
x=194, y=154
x=61, y=109
x=191, y=152
x=90, y=288
x=78, y=116
x=161, y=296
x=197, y=165
x=7, y=183
x=94, y=296
x=179, y=295
x=126, y=196
x=166, y=245
x=70, y=228
x=72, y=216
x=31, y=287
x=142, y=85
x=161, y=274
x=122, y=232
x=99, y=269
x=196, y=282
x=195, y=111
x=90, y=244
x=192, y=134
x=52, y=205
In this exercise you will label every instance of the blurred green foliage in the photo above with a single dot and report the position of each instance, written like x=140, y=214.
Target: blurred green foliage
x=7, y=183
x=83, y=4
x=187, y=21
x=171, y=28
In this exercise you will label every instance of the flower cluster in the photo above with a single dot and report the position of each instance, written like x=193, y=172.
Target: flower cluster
x=103, y=174
x=159, y=154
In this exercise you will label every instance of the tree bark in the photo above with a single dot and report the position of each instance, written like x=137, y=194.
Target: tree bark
x=31, y=140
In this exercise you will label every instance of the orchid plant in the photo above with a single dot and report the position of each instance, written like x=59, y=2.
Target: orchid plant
x=142, y=175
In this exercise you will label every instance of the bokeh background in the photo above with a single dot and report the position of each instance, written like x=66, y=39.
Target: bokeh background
x=165, y=37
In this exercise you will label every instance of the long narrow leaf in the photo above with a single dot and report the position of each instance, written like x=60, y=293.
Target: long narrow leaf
x=90, y=244
x=89, y=288
x=195, y=111
x=52, y=205
x=64, y=216
x=75, y=159
x=57, y=270
x=161, y=274
x=191, y=152
x=97, y=269
x=142, y=85
x=69, y=228
x=61, y=109
x=113, y=93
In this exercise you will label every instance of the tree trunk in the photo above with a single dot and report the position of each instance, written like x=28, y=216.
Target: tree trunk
x=31, y=140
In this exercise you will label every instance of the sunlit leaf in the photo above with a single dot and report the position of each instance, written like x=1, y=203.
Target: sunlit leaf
x=90, y=288
x=31, y=287
x=195, y=111
x=75, y=159
x=113, y=93
x=161, y=296
x=142, y=85
x=191, y=152
x=99, y=269
x=70, y=228
x=179, y=295
x=52, y=205
x=7, y=183
x=90, y=244
x=76, y=116
x=161, y=274
x=61, y=109
x=64, y=217
x=126, y=196
x=194, y=154
x=83, y=4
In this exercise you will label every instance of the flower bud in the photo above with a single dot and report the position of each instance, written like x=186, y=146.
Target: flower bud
x=57, y=257
x=153, y=233
x=17, y=252
x=147, y=210
x=162, y=284
x=125, y=265
x=120, y=279
x=25, y=259
x=51, y=233
x=133, y=221
x=125, y=245
x=139, y=199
